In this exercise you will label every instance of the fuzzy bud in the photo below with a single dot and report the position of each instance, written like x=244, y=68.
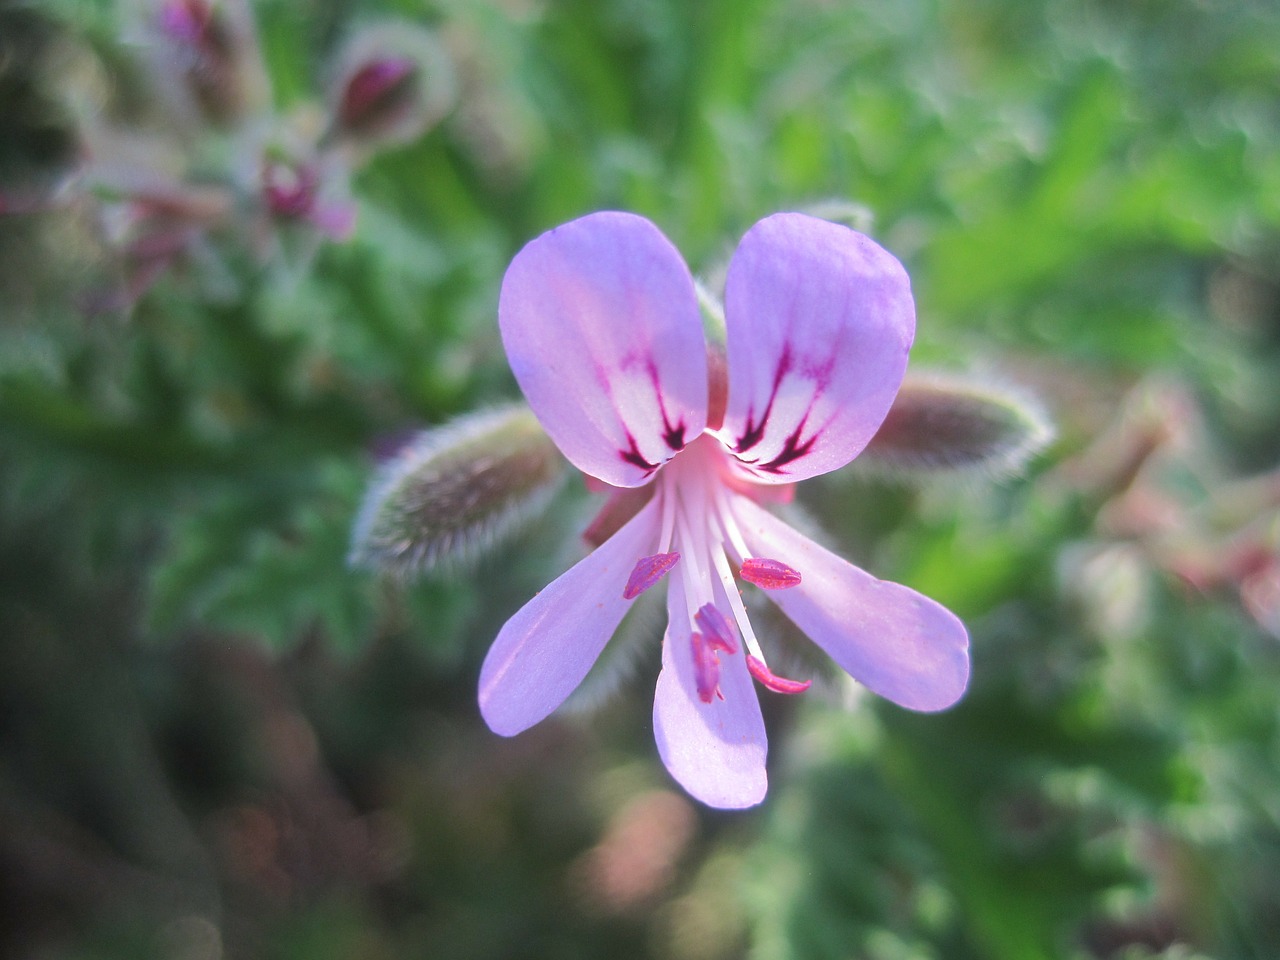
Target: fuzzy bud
x=210, y=48
x=453, y=490
x=390, y=84
x=947, y=423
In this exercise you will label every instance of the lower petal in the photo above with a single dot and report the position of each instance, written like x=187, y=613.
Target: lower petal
x=547, y=648
x=899, y=643
x=715, y=750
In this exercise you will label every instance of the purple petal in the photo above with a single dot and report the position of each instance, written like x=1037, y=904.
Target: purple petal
x=546, y=649
x=819, y=321
x=900, y=644
x=715, y=750
x=602, y=330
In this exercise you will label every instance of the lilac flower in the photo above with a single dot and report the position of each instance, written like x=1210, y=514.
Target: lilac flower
x=602, y=326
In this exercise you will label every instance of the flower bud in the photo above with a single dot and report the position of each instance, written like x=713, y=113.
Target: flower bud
x=455, y=489
x=210, y=50
x=949, y=423
x=391, y=84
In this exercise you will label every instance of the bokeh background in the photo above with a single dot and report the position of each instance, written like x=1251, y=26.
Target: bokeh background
x=218, y=740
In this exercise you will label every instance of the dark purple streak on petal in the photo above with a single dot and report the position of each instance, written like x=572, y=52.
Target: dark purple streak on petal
x=672, y=435
x=633, y=456
x=755, y=431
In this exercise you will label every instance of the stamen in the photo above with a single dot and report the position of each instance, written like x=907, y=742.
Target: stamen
x=734, y=599
x=729, y=524
x=669, y=502
x=769, y=574
x=706, y=669
x=647, y=572
x=716, y=629
x=772, y=681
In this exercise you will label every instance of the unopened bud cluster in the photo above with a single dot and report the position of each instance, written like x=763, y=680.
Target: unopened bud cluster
x=217, y=169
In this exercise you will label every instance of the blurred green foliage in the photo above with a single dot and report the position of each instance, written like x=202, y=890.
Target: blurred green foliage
x=220, y=741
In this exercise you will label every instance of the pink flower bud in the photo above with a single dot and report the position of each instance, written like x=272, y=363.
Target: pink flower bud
x=188, y=21
x=390, y=85
x=379, y=94
x=207, y=59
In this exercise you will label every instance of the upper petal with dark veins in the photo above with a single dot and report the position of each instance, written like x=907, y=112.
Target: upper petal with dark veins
x=601, y=325
x=819, y=321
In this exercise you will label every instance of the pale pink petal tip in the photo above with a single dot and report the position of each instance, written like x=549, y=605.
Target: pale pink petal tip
x=714, y=747
x=545, y=650
x=336, y=220
x=896, y=642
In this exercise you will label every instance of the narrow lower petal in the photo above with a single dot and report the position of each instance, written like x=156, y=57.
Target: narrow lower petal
x=547, y=648
x=715, y=750
x=899, y=643
x=819, y=320
x=600, y=322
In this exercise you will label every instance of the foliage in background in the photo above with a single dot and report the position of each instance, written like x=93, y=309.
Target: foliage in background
x=220, y=740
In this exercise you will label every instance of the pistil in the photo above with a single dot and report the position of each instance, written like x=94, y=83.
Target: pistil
x=772, y=681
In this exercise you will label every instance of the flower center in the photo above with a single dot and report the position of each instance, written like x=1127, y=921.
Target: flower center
x=697, y=490
x=289, y=189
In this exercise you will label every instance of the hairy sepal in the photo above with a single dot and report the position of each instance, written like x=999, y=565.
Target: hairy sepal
x=416, y=89
x=453, y=491
x=944, y=423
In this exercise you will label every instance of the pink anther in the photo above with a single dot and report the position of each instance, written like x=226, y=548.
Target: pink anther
x=706, y=669
x=647, y=572
x=716, y=629
x=769, y=574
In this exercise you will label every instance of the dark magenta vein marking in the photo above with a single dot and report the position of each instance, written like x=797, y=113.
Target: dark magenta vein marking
x=672, y=435
x=755, y=431
x=793, y=448
x=633, y=455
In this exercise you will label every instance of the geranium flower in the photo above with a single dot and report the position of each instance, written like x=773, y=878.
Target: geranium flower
x=601, y=322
